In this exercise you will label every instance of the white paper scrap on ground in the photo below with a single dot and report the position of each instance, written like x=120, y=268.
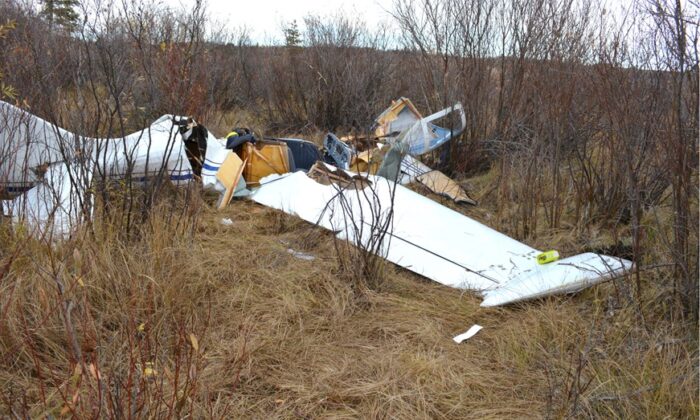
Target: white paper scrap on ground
x=226, y=221
x=469, y=334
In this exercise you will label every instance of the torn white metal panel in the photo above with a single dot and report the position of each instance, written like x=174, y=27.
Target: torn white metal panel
x=430, y=239
x=57, y=204
x=427, y=238
x=41, y=160
x=563, y=276
x=157, y=150
x=215, y=156
x=468, y=334
x=28, y=144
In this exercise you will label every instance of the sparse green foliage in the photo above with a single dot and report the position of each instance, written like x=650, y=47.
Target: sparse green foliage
x=292, y=35
x=60, y=13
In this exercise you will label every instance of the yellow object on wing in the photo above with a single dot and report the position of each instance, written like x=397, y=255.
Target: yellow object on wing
x=547, y=257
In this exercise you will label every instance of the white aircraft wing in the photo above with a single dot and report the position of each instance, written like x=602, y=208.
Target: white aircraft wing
x=434, y=241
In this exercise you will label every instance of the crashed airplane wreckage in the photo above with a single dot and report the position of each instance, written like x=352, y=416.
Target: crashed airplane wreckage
x=47, y=171
x=51, y=190
x=399, y=134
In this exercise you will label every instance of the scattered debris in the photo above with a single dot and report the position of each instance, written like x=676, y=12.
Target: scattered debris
x=338, y=153
x=547, y=257
x=226, y=221
x=238, y=136
x=367, y=162
x=327, y=175
x=440, y=184
x=403, y=126
x=424, y=136
x=467, y=335
x=426, y=237
x=229, y=174
x=399, y=134
x=399, y=116
x=264, y=158
x=304, y=153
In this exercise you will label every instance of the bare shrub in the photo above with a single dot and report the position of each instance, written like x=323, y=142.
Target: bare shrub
x=361, y=213
x=340, y=79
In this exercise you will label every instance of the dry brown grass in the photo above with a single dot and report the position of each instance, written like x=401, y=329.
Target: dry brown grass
x=236, y=326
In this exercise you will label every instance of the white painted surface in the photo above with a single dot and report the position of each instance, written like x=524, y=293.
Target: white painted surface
x=54, y=207
x=157, y=150
x=563, y=276
x=468, y=334
x=27, y=142
x=436, y=242
x=60, y=198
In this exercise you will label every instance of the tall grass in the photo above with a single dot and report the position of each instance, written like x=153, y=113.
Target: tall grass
x=222, y=321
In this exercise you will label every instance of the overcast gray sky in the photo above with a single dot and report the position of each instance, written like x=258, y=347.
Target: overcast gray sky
x=265, y=17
